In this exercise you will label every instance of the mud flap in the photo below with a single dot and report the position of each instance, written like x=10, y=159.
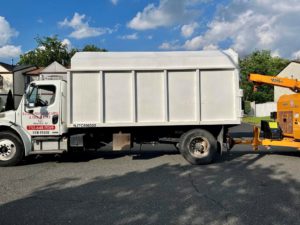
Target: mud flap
x=121, y=142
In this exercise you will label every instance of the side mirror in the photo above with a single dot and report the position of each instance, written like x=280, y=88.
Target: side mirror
x=27, y=106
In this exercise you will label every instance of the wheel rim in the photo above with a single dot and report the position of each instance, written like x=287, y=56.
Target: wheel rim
x=199, y=147
x=7, y=149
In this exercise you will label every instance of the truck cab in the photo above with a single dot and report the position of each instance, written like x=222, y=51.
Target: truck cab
x=37, y=125
x=44, y=111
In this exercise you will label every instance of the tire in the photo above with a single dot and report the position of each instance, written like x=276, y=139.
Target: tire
x=198, y=147
x=11, y=149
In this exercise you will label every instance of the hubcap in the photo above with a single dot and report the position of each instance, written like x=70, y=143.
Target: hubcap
x=7, y=149
x=199, y=147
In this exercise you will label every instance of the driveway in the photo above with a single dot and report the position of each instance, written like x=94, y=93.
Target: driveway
x=156, y=187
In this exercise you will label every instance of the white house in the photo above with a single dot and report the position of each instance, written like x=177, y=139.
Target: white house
x=6, y=82
x=12, y=78
x=54, y=71
x=20, y=81
x=33, y=75
x=17, y=78
x=291, y=71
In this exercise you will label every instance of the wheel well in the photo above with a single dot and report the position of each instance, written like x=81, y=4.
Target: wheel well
x=218, y=132
x=8, y=129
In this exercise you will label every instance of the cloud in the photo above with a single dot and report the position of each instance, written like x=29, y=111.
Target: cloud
x=10, y=51
x=114, y=2
x=249, y=25
x=81, y=28
x=173, y=45
x=210, y=47
x=6, y=31
x=66, y=42
x=6, y=34
x=129, y=37
x=167, y=13
x=195, y=43
x=188, y=30
x=41, y=47
x=296, y=55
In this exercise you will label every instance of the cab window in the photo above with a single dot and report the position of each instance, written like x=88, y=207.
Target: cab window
x=43, y=95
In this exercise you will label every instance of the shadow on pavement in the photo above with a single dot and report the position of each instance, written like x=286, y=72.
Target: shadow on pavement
x=238, y=189
x=233, y=155
x=92, y=155
x=237, y=192
x=148, y=155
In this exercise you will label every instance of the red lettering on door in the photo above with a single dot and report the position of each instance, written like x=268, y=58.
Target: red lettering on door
x=40, y=127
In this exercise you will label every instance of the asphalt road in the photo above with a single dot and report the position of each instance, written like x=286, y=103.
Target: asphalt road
x=243, y=187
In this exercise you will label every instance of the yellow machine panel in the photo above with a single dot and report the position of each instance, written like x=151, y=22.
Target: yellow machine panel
x=288, y=111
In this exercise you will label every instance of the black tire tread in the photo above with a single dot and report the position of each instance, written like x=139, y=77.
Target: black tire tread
x=185, y=152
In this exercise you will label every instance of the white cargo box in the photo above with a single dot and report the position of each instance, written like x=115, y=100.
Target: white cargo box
x=153, y=89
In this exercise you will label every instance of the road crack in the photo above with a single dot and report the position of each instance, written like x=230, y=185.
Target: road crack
x=199, y=193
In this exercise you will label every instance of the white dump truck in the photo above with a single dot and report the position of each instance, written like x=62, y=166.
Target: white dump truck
x=188, y=99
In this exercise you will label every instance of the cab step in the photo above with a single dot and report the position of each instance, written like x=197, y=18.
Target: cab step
x=45, y=138
x=48, y=144
x=41, y=152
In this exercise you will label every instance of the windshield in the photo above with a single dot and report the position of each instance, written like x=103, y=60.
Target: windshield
x=32, y=93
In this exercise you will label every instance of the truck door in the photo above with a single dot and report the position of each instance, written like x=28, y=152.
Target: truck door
x=42, y=110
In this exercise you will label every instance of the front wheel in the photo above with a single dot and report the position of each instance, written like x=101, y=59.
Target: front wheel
x=11, y=149
x=198, y=146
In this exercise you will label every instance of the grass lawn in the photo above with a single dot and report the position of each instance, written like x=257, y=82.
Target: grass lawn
x=254, y=120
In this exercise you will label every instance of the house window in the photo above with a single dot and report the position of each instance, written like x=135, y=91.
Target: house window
x=1, y=82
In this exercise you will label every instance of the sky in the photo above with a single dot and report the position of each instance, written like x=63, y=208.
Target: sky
x=153, y=25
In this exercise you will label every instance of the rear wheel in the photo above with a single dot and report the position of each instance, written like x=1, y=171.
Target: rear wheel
x=198, y=146
x=11, y=149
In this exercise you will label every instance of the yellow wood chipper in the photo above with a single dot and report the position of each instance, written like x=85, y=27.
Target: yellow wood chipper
x=284, y=130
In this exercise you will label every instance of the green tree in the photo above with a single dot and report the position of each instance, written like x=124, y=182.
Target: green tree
x=93, y=48
x=260, y=62
x=48, y=50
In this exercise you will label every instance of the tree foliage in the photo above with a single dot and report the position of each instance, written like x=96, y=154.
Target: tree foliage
x=93, y=48
x=260, y=62
x=48, y=50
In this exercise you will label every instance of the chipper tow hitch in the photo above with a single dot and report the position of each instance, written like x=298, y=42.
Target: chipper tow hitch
x=255, y=141
x=271, y=136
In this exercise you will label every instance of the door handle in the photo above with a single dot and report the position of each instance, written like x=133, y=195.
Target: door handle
x=55, y=119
